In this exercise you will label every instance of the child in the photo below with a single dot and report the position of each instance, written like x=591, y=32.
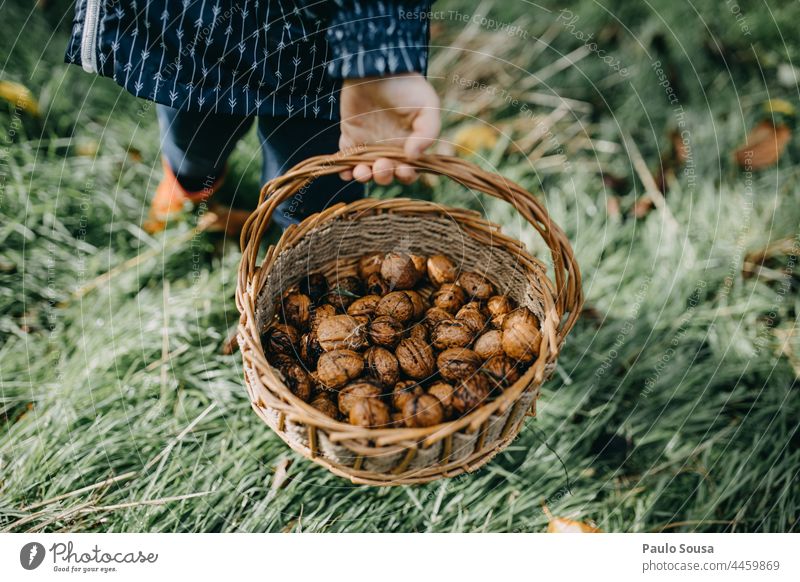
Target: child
x=318, y=76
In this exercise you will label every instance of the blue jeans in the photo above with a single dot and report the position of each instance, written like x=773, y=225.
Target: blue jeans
x=197, y=146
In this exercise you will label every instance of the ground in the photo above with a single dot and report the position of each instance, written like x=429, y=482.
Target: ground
x=675, y=404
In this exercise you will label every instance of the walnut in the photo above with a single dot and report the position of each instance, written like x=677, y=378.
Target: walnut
x=444, y=392
x=397, y=305
x=295, y=310
x=337, y=368
x=399, y=271
x=418, y=302
x=451, y=334
x=315, y=286
x=441, y=270
x=357, y=391
x=498, y=307
x=489, y=344
x=310, y=350
x=385, y=331
x=403, y=391
x=398, y=421
x=382, y=365
x=368, y=412
x=476, y=286
x=369, y=264
x=364, y=306
x=424, y=410
x=321, y=312
x=449, y=297
x=297, y=380
x=377, y=286
x=457, y=363
x=521, y=335
x=281, y=339
x=418, y=331
x=435, y=315
x=501, y=370
x=341, y=332
x=420, y=264
x=325, y=405
x=470, y=393
x=343, y=291
x=416, y=358
x=472, y=315
x=279, y=360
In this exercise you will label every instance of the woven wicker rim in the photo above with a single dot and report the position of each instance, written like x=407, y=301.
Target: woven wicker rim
x=563, y=299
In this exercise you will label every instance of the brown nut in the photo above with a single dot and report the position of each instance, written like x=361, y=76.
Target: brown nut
x=369, y=265
x=398, y=421
x=418, y=302
x=382, y=365
x=418, y=332
x=310, y=350
x=369, y=412
x=444, y=392
x=498, y=307
x=470, y=393
x=420, y=263
x=364, y=306
x=325, y=405
x=343, y=291
x=397, y=305
x=403, y=391
x=295, y=310
x=361, y=390
x=399, y=271
x=321, y=312
x=416, y=358
x=489, y=344
x=473, y=316
x=441, y=270
x=377, y=286
x=476, y=286
x=421, y=411
x=279, y=360
x=521, y=335
x=436, y=315
x=458, y=363
x=337, y=368
x=450, y=297
x=451, y=334
x=281, y=339
x=340, y=332
x=297, y=380
x=501, y=370
x=385, y=331
x=315, y=285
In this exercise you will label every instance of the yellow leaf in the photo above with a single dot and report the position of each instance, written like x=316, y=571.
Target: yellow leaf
x=474, y=137
x=562, y=525
x=19, y=96
x=779, y=106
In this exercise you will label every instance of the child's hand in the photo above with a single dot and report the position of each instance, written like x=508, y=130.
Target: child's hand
x=401, y=110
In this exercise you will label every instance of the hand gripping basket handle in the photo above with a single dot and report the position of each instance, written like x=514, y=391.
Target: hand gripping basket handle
x=568, y=293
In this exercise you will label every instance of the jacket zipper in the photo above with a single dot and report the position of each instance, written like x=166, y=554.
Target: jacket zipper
x=89, y=37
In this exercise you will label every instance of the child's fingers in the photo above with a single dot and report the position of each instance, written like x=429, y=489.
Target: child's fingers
x=346, y=175
x=405, y=174
x=362, y=173
x=383, y=171
x=424, y=131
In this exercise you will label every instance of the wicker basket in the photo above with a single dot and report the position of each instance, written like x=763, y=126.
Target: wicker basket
x=331, y=242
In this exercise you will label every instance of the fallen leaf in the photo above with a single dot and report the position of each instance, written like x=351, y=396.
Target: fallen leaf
x=474, y=137
x=281, y=475
x=564, y=525
x=764, y=146
x=19, y=96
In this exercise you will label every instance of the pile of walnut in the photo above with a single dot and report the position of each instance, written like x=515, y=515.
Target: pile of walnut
x=410, y=342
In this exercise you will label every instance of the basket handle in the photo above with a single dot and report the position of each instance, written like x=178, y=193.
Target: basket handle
x=568, y=296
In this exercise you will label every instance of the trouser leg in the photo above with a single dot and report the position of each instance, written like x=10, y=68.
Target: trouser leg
x=197, y=145
x=284, y=143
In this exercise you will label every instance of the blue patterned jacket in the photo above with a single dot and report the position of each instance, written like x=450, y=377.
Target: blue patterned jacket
x=248, y=57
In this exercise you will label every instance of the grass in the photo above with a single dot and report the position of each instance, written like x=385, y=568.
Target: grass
x=675, y=404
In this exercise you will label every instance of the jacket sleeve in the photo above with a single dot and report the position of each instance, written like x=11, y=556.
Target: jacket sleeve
x=376, y=38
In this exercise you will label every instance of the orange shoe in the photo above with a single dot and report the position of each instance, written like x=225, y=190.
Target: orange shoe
x=171, y=198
